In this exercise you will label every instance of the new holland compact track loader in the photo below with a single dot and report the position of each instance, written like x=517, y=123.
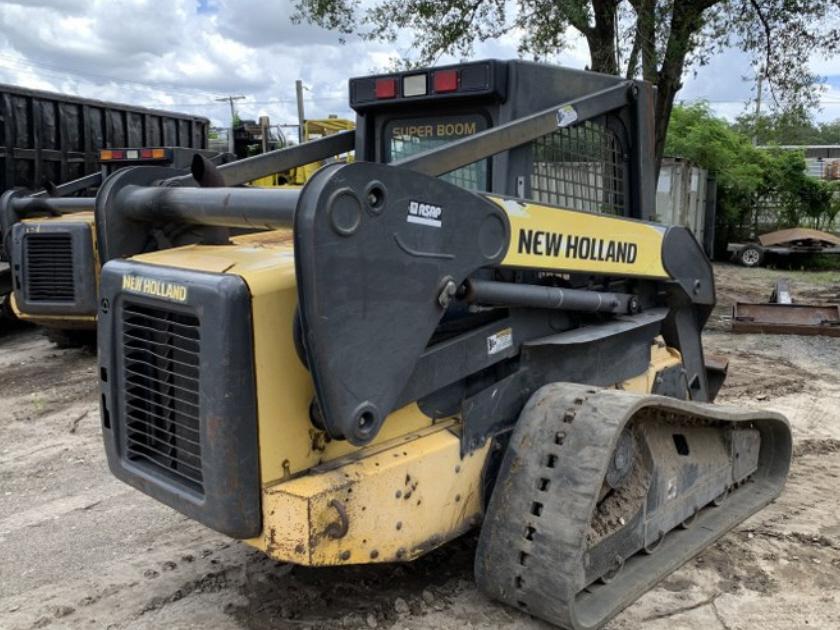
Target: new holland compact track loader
x=49, y=237
x=473, y=325
x=49, y=240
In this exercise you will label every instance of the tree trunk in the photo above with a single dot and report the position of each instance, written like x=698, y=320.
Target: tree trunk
x=685, y=21
x=601, y=37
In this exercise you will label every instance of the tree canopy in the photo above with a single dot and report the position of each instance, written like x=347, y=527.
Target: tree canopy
x=658, y=40
x=789, y=127
x=748, y=177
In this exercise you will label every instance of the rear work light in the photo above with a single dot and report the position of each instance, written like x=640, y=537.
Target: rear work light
x=386, y=88
x=445, y=81
x=414, y=85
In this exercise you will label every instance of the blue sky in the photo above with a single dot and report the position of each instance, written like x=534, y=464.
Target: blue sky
x=182, y=54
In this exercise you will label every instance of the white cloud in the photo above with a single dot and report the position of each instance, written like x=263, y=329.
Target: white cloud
x=182, y=54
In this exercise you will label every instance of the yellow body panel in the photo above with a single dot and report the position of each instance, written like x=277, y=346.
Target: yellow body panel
x=543, y=237
x=661, y=357
x=382, y=504
x=406, y=493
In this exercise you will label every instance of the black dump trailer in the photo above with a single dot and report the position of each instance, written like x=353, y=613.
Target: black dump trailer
x=56, y=137
x=50, y=138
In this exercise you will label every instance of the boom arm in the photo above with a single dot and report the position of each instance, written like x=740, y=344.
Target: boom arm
x=381, y=251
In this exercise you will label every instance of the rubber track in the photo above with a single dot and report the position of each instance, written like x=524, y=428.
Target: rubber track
x=532, y=546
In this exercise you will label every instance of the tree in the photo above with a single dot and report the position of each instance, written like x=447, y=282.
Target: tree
x=749, y=177
x=795, y=126
x=658, y=40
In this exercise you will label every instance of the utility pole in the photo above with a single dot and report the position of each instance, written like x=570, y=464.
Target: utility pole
x=301, y=118
x=231, y=99
x=757, y=107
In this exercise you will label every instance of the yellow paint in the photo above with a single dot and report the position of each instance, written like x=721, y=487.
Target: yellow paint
x=72, y=217
x=661, y=358
x=401, y=500
x=543, y=237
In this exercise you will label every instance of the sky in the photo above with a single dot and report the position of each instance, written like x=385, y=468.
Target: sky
x=182, y=55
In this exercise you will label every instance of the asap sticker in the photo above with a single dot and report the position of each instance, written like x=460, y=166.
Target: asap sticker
x=424, y=214
x=499, y=341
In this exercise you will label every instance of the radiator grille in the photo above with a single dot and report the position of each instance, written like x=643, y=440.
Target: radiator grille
x=49, y=267
x=161, y=351
x=580, y=168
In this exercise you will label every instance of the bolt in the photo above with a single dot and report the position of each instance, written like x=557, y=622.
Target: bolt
x=345, y=555
x=374, y=554
x=447, y=293
x=399, y=525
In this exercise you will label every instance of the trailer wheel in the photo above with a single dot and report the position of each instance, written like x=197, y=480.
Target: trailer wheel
x=751, y=256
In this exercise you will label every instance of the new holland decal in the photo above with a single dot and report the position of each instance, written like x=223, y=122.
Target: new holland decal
x=566, y=240
x=155, y=288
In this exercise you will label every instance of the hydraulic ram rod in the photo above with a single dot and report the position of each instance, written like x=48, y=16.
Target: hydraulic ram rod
x=250, y=208
x=68, y=188
x=53, y=205
x=535, y=296
x=248, y=169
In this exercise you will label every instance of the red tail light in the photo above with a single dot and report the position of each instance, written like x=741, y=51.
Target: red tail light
x=445, y=80
x=386, y=88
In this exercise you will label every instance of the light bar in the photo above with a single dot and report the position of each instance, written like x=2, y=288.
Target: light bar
x=109, y=155
x=486, y=79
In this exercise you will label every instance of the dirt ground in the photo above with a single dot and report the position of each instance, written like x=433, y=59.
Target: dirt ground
x=78, y=549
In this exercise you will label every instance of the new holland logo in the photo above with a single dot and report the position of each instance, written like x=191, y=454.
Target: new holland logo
x=424, y=214
x=155, y=288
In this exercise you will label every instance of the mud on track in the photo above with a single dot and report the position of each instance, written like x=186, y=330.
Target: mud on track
x=78, y=549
